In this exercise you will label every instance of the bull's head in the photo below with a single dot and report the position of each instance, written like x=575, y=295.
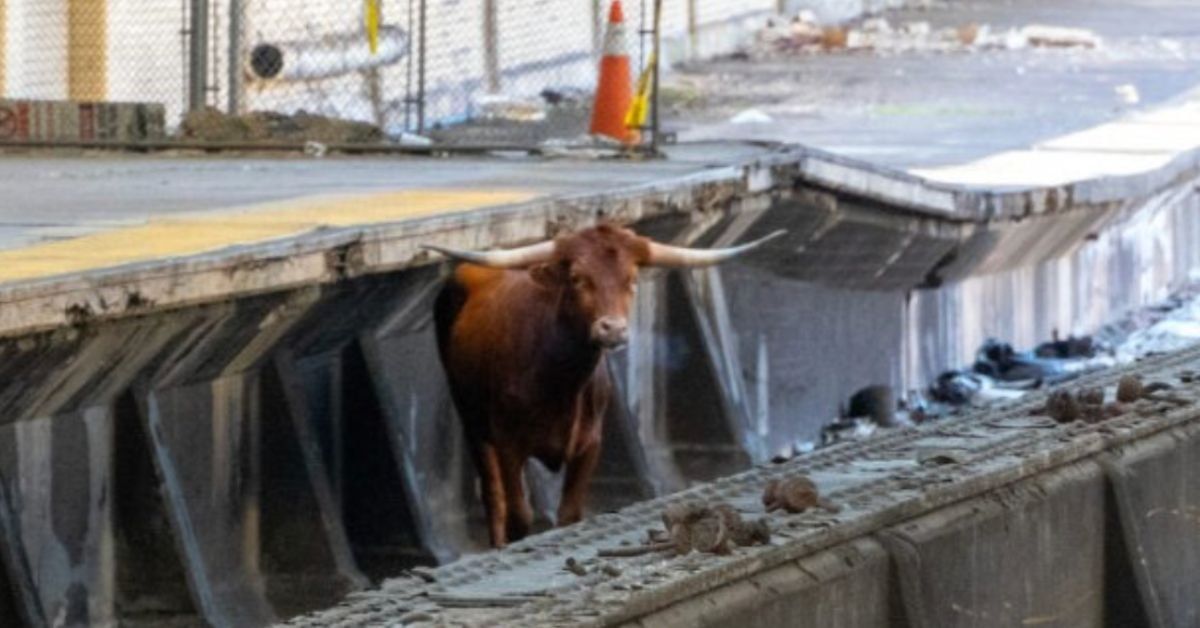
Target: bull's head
x=595, y=270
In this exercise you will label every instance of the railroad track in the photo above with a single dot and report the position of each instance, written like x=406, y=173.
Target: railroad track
x=876, y=483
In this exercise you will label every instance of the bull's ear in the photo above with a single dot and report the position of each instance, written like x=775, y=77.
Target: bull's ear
x=547, y=274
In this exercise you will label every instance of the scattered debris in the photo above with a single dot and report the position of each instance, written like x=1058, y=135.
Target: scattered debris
x=1060, y=37
x=612, y=571
x=938, y=457
x=212, y=125
x=412, y=139
x=794, y=495
x=697, y=526
x=1088, y=404
x=751, y=116
x=413, y=617
x=845, y=429
x=1070, y=348
x=1002, y=374
x=574, y=567
x=506, y=107
x=877, y=403
x=315, y=149
x=805, y=34
x=1128, y=94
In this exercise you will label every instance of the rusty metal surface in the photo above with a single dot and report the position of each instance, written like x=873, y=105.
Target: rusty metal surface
x=876, y=483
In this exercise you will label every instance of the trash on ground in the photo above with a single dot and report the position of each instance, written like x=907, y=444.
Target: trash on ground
x=751, y=116
x=505, y=107
x=804, y=33
x=1128, y=94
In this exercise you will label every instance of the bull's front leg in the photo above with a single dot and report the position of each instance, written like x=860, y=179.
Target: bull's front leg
x=580, y=468
x=491, y=478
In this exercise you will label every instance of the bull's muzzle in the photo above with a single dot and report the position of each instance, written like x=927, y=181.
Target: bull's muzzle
x=610, y=331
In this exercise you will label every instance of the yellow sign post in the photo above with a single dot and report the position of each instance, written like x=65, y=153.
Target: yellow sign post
x=371, y=16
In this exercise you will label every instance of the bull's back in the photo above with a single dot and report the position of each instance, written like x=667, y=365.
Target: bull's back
x=468, y=283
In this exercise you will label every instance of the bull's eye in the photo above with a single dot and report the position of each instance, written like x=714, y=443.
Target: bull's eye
x=579, y=281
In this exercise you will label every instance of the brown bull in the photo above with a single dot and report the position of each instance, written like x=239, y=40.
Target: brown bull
x=522, y=335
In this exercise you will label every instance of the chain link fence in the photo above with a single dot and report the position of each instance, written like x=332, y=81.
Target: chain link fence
x=446, y=72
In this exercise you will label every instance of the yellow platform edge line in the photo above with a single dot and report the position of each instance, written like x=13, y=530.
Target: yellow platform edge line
x=192, y=234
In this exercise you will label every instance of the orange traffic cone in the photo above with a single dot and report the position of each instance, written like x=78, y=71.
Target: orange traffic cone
x=614, y=92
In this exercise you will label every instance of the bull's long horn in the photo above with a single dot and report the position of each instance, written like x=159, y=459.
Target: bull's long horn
x=507, y=258
x=682, y=257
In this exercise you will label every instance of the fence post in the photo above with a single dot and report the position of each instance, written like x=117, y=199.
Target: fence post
x=3, y=44
x=693, y=27
x=657, y=58
x=198, y=56
x=235, y=56
x=421, y=68
x=87, y=50
x=491, y=45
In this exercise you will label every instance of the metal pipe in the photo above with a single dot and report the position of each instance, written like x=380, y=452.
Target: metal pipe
x=198, y=56
x=234, y=76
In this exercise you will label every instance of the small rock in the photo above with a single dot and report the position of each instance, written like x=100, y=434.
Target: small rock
x=1129, y=389
x=682, y=512
x=833, y=38
x=1153, y=387
x=574, y=567
x=1062, y=407
x=709, y=534
x=939, y=457
x=795, y=494
x=967, y=33
x=612, y=571
x=681, y=536
x=1092, y=396
x=414, y=617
